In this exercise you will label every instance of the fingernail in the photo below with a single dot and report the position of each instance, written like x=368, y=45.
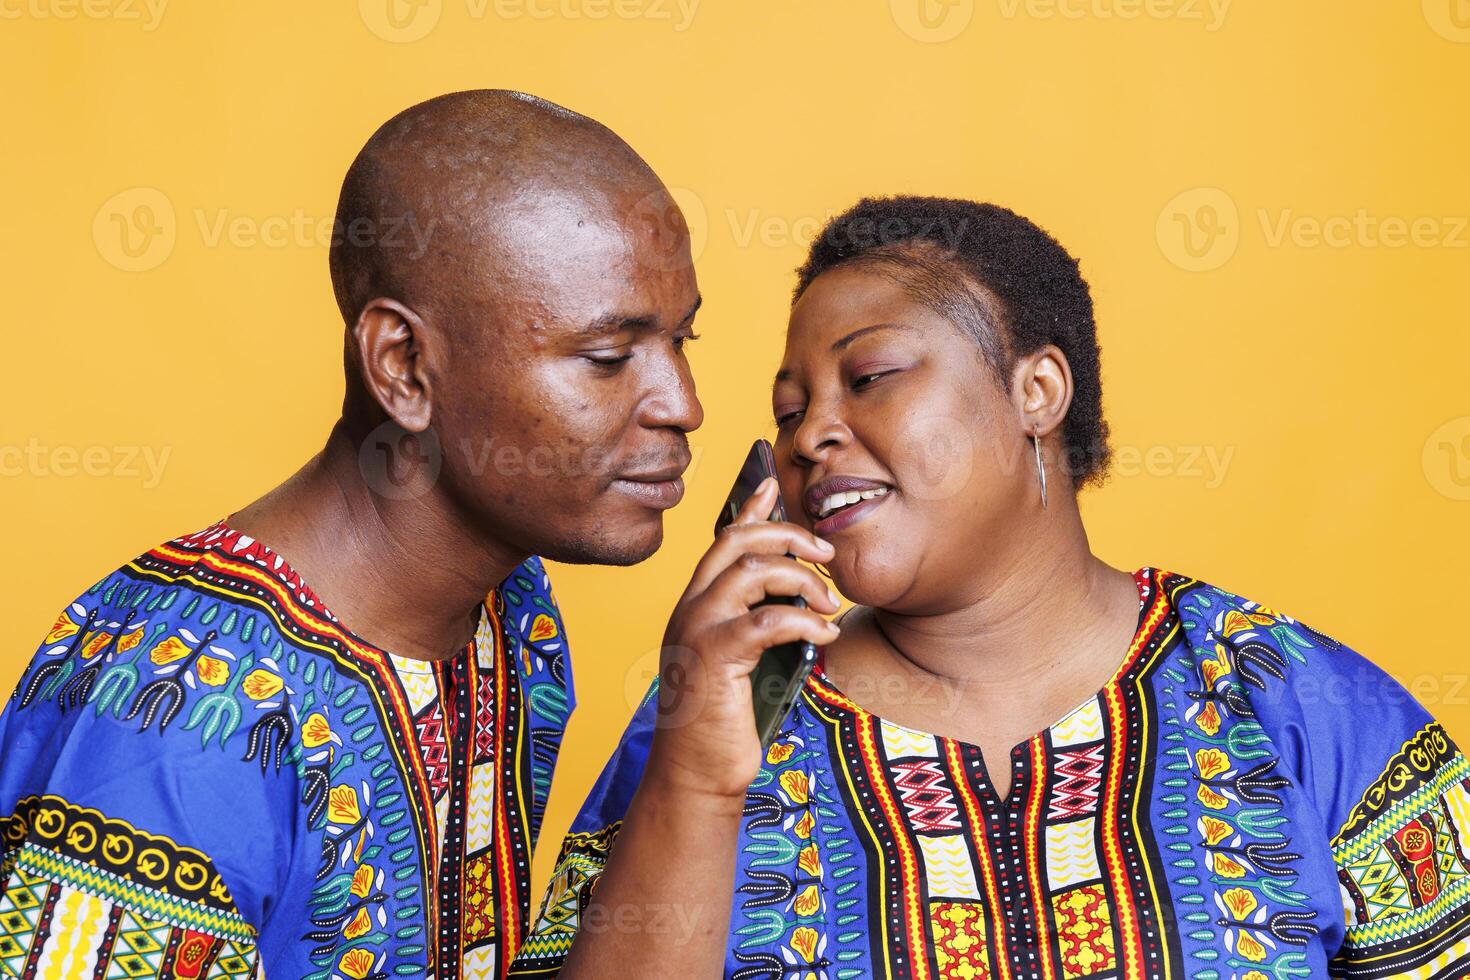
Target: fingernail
x=833, y=627
x=825, y=545
x=832, y=594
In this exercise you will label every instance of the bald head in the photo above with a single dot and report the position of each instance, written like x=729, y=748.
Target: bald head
x=438, y=201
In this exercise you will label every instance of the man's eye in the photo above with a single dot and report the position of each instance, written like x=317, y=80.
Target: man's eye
x=608, y=360
x=783, y=419
x=680, y=341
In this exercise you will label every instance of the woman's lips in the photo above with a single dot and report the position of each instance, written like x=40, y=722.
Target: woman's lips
x=849, y=515
x=658, y=494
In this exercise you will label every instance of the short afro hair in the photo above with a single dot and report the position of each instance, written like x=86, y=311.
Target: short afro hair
x=940, y=249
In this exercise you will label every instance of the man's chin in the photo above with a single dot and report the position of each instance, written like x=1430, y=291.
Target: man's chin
x=623, y=549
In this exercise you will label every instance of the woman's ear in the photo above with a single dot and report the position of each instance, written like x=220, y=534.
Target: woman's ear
x=389, y=340
x=1043, y=389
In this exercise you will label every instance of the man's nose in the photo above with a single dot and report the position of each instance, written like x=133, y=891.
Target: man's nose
x=673, y=402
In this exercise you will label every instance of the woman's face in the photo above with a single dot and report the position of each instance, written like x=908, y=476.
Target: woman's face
x=880, y=397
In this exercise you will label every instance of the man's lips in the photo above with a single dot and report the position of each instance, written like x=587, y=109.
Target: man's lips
x=661, y=488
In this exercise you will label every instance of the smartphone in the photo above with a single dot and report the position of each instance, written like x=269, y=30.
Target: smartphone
x=782, y=672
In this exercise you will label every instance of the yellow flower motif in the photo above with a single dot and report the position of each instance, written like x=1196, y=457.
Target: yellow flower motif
x=1216, y=668
x=1208, y=720
x=362, y=880
x=543, y=627
x=808, y=902
x=1215, y=829
x=796, y=785
x=168, y=651
x=343, y=805
x=130, y=641
x=1212, y=799
x=804, y=826
x=1211, y=762
x=212, y=671
x=1249, y=947
x=355, y=963
x=260, y=684
x=95, y=645
x=63, y=629
x=804, y=941
x=1227, y=867
x=1235, y=622
x=1263, y=616
x=1241, y=901
x=809, y=862
x=359, y=926
x=1254, y=975
x=315, y=730
x=779, y=752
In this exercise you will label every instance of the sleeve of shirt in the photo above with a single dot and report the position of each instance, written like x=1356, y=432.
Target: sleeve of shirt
x=585, y=850
x=1400, y=819
x=125, y=816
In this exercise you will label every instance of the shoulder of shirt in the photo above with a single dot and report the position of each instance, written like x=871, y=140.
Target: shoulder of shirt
x=1291, y=671
x=190, y=639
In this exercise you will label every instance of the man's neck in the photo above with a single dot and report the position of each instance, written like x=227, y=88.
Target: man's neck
x=408, y=575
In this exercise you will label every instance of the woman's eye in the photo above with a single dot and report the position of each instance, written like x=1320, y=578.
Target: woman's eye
x=787, y=417
x=863, y=380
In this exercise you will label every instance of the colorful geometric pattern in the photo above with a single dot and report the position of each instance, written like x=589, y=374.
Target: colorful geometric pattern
x=930, y=804
x=1078, y=778
x=1173, y=827
x=960, y=948
x=207, y=775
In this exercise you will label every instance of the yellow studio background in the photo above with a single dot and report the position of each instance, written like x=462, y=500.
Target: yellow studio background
x=1269, y=200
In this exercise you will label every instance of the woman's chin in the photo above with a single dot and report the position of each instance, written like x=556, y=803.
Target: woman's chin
x=868, y=581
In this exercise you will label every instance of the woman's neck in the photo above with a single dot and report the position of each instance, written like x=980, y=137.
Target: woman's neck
x=1026, y=636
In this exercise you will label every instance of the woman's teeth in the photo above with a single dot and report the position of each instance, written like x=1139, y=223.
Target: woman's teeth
x=839, y=500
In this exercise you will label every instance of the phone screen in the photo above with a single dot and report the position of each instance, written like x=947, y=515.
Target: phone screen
x=782, y=671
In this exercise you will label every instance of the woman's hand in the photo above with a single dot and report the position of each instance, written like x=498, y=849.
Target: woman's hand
x=706, y=742
x=676, y=846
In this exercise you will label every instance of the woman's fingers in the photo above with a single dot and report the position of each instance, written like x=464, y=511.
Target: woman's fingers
x=752, y=577
x=762, y=538
x=770, y=626
x=760, y=505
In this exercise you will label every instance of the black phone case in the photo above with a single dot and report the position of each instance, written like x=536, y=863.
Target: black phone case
x=783, y=670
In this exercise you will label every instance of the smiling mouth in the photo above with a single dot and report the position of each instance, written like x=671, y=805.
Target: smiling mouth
x=841, y=501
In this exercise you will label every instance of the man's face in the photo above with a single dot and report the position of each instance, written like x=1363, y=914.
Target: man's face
x=567, y=398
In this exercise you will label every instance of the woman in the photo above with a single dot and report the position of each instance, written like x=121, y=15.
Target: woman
x=1014, y=760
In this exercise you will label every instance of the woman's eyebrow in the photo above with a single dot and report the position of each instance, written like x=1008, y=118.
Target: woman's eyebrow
x=785, y=374
x=861, y=331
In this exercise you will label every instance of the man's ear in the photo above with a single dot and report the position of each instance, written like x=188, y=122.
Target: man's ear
x=390, y=341
x=1044, y=389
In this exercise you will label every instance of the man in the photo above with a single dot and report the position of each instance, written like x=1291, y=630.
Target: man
x=303, y=741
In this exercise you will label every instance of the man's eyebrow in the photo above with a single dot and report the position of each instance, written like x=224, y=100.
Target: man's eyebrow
x=610, y=323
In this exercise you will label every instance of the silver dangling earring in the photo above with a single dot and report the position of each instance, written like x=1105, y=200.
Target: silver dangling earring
x=1040, y=462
